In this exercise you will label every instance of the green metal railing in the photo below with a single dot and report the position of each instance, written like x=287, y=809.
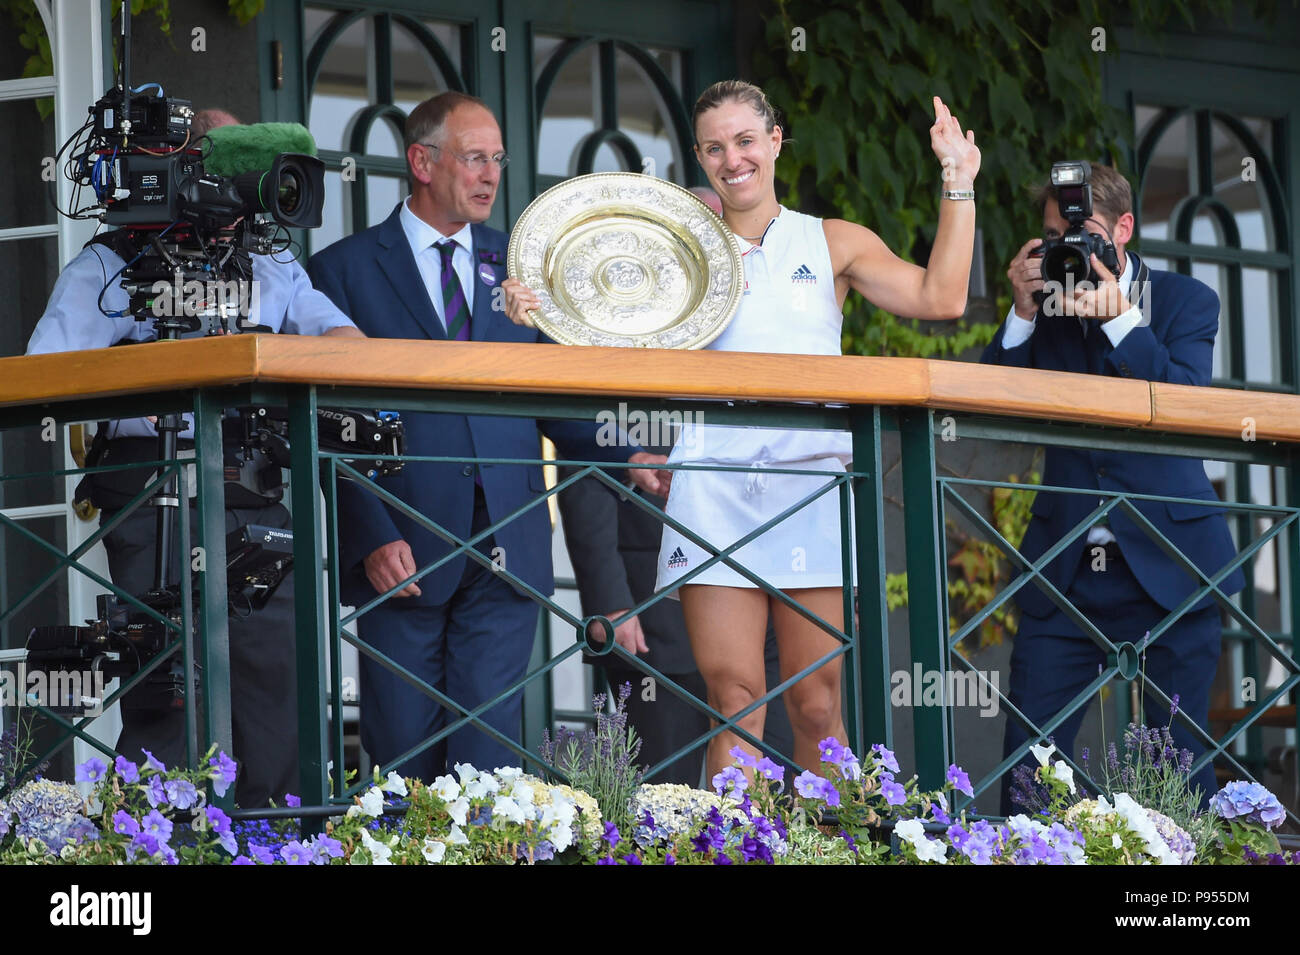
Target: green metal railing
x=322, y=628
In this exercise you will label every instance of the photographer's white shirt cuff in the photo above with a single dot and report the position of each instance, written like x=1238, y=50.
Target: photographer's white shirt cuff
x=1121, y=325
x=1018, y=330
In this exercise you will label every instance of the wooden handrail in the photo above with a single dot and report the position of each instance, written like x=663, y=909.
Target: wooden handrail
x=642, y=373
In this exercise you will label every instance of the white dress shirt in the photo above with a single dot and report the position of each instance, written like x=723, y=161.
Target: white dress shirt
x=424, y=240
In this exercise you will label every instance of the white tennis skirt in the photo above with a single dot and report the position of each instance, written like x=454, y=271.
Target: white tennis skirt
x=802, y=550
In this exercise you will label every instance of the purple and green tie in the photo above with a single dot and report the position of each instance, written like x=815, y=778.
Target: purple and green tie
x=454, y=307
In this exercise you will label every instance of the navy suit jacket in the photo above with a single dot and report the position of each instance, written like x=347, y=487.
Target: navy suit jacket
x=1177, y=346
x=372, y=277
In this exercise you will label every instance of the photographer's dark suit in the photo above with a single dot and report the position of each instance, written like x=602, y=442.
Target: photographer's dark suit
x=1053, y=660
x=614, y=546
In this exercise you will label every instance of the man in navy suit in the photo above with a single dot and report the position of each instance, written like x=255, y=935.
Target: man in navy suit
x=1147, y=324
x=432, y=271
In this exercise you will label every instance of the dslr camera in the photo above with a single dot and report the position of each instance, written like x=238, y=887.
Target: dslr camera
x=1067, y=259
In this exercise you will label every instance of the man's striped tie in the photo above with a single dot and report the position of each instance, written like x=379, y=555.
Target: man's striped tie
x=454, y=306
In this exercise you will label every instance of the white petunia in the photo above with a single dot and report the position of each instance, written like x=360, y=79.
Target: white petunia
x=458, y=810
x=433, y=850
x=522, y=793
x=927, y=850
x=1041, y=753
x=507, y=809
x=1137, y=819
x=372, y=803
x=466, y=772
x=1115, y=840
x=394, y=784
x=1061, y=770
x=379, y=853
x=507, y=774
x=457, y=837
x=480, y=786
x=446, y=788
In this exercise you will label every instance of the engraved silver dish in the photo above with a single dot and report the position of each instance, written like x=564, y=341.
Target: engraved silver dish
x=627, y=260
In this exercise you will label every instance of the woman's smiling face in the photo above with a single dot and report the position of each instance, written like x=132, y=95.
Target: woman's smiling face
x=737, y=154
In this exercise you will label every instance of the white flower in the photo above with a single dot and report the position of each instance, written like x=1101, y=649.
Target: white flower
x=394, y=784
x=927, y=850
x=457, y=837
x=851, y=769
x=507, y=809
x=1041, y=753
x=482, y=785
x=1115, y=840
x=372, y=803
x=433, y=850
x=458, y=810
x=379, y=853
x=507, y=774
x=1061, y=770
x=1137, y=819
x=522, y=793
x=446, y=788
x=466, y=772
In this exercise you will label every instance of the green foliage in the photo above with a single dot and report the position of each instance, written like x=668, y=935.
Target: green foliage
x=980, y=568
x=1025, y=76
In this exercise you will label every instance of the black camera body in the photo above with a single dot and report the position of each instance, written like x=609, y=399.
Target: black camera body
x=1067, y=259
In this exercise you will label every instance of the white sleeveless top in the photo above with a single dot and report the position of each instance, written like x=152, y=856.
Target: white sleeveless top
x=789, y=307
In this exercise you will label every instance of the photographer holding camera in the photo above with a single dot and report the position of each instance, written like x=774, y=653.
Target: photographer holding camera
x=89, y=308
x=1084, y=304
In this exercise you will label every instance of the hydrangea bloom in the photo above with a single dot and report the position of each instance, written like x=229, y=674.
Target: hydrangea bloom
x=1248, y=802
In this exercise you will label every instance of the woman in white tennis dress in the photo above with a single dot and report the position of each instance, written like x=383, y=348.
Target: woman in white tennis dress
x=798, y=271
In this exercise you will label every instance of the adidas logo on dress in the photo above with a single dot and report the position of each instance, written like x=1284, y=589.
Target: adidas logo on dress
x=803, y=275
x=677, y=559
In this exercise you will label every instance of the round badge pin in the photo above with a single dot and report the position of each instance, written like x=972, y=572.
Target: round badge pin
x=486, y=273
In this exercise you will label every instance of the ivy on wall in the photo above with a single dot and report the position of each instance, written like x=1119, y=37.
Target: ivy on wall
x=855, y=82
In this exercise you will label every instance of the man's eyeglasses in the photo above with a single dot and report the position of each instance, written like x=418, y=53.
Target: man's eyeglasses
x=476, y=161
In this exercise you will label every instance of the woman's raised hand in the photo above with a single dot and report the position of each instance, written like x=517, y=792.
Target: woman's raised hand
x=958, y=154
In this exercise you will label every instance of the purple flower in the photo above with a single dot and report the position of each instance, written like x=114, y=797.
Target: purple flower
x=1249, y=802
x=606, y=860
x=849, y=841
x=721, y=859
x=124, y=823
x=741, y=757
x=808, y=784
x=670, y=859
x=770, y=770
x=128, y=770
x=218, y=821
x=631, y=859
x=755, y=850
x=91, y=771
x=241, y=860
x=262, y=854
x=157, y=825
x=181, y=793
x=323, y=848
x=829, y=793
x=960, y=781
x=894, y=794
x=142, y=842
x=885, y=757
x=154, y=792
x=939, y=809
x=226, y=769
x=611, y=836
x=979, y=843
x=729, y=780
x=831, y=750
x=153, y=762
x=714, y=817
x=295, y=853
x=292, y=801
x=702, y=843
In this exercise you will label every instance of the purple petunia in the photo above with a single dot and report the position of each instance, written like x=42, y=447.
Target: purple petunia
x=730, y=779
x=324, y=848
x=218, y=821
x=261, y=854
x=155, y=793
x=808, y=784
x=157, y=825
x=153, y=762
x=224, y=776
x=295, y=853
x=741, y=757
x=241, y=860
x=92, y=770
x=832, y=751
x=124, y=824
x=770, y=770
x=128, y=770
x=939, y=809
x=292, y=801
x=894, y=794
x=960, y=780
x=885, y=757
x=611, y=836
x=181, y=793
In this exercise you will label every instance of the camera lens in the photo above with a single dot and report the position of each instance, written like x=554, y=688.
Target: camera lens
x=289, y=194
x=1066, y=265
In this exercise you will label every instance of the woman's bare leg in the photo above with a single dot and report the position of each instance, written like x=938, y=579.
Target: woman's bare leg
x=814, y=703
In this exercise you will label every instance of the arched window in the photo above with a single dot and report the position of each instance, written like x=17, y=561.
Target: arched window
x=365, y=72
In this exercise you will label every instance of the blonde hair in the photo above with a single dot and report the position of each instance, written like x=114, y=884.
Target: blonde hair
x=734, y=91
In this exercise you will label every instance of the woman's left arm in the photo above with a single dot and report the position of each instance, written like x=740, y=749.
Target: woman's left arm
x=938, y=291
